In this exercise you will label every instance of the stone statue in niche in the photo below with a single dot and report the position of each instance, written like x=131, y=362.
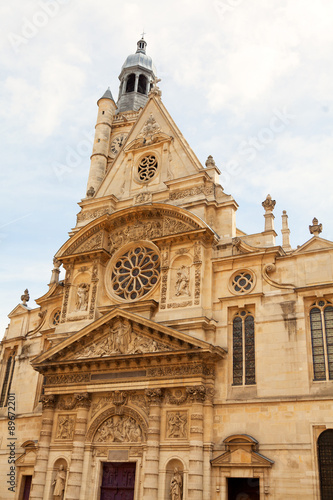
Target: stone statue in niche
x=183, y=281
x=65, y=427
x=82, y=297
x=59, y=483
x=176, y=485
x=119, y=429
x=177, y=425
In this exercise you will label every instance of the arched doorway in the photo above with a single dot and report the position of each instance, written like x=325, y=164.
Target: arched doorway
x=325, y=459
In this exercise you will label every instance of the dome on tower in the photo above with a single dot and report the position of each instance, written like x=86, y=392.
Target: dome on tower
x=140, y=58
x=136, y=79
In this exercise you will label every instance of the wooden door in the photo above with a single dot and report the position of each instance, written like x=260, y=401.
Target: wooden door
x=118, y=481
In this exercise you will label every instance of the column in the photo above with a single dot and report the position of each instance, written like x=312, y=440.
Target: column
x=136, y=83
x=151, y=465
x=75, y=476
x=39, y=478
x=196, y=395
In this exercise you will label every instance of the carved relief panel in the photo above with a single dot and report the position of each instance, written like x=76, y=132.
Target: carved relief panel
x=176, y=425
x=65, y=427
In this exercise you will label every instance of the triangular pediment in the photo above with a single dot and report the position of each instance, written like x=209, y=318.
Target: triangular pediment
x=314, y=244
x=241, y=458
x=123, y=335
x=27, y=459
x=18, y=310
x=154, y=132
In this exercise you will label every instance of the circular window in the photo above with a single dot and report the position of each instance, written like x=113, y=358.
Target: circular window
x=135, y=272
x=147, y=168
x=242, y=282
x=56, y=318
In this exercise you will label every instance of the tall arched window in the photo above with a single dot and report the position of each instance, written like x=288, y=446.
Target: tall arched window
x=325, y=459
x=321, y=321
x=130, y=83
x=7, y=380
x=142, y=86
x=243, y=349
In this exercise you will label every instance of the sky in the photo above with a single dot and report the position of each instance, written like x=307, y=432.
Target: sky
x=247, y=81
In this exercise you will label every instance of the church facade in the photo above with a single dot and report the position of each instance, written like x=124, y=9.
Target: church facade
x=179, y=358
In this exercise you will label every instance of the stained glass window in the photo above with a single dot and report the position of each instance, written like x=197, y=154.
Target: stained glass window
x=243, y=349
x=321, y=321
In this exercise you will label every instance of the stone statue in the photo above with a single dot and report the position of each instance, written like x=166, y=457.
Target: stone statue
x=176, y=485
x=59, y=483
x=182, y=281
x=82, y=297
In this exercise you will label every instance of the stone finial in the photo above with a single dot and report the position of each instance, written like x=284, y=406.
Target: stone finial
x=285, y=232
x=316, y=228
x=55, y=271
x=210, y=162
x=25, y=297
x=269, y=204
x=90, y=192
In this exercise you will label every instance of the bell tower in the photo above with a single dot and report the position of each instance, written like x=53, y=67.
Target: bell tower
x=137, y=74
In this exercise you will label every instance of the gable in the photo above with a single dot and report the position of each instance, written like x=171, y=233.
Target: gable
x=314, y=244
x=155, y=134
x=120, y=334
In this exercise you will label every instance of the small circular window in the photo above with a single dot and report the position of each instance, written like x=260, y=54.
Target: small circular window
x=135, y=272
x=242, y=282
x=56, y=318
x=147, y=168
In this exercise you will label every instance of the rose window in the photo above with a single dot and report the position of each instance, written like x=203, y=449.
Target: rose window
x=135, y=273
x=147, y=168
x=242, y=282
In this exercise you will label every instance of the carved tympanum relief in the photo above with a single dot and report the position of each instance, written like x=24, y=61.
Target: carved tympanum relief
x=121, y=340
x=119, y=429
x=177, y=424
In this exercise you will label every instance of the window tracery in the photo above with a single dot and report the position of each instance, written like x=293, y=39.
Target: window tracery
x=147, y=168
x=243, y=349
x=321, y=323
x=135, y=272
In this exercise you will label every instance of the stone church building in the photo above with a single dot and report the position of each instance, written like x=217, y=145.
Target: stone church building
x=179, y=358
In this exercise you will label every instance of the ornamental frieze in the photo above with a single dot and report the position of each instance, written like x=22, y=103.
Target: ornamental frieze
x=91, y=214
x=194, y=191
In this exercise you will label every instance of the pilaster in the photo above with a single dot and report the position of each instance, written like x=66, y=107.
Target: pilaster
x=39, y=478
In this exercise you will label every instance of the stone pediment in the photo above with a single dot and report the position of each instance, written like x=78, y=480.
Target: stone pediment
x=241, y=458
x=241, y=452
x=27, y=459
x=123, y=335
x=314, y=244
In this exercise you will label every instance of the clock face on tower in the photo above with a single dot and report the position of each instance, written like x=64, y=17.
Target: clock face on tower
x=116, y=144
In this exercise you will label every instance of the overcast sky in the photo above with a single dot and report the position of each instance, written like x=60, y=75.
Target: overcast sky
x=248, y=81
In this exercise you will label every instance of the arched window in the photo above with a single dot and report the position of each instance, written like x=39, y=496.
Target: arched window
x=7, y=380
x=325, y=459
x=142, y=86
x=321, y=321
x=130, y=83
x=243, y=349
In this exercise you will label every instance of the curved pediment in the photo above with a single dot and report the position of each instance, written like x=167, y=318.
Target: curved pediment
x=148, y=222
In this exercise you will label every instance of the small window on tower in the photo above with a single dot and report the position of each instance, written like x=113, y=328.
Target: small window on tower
x=142, y=86
x=130, y=83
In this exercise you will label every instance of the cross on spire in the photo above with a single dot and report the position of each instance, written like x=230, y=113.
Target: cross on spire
x=143, y=34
